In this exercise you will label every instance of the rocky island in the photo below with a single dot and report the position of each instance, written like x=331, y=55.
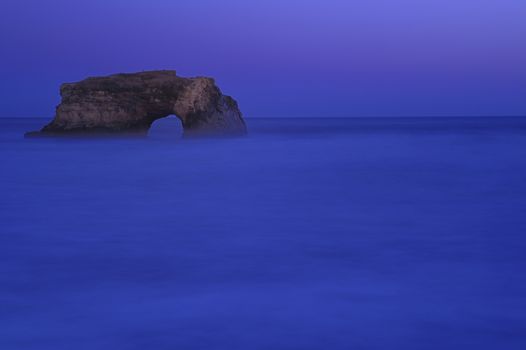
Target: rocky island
x=130, y=103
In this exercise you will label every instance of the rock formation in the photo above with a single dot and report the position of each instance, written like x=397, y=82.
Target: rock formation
x=130, y=103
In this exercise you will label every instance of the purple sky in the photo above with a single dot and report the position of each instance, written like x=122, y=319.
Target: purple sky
x=278, y=58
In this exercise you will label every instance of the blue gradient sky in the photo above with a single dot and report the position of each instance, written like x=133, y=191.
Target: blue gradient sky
x=278, y=57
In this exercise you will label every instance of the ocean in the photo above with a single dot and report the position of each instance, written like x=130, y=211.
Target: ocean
x=351, y=233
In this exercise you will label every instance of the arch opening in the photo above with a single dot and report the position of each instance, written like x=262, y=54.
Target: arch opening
x=166, y=128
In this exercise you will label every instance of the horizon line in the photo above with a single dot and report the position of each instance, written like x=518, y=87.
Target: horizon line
x=335, y=117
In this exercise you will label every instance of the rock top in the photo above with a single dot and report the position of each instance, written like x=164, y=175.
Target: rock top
x=130, y=103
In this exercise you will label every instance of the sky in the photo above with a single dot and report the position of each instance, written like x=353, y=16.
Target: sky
x=278, y=58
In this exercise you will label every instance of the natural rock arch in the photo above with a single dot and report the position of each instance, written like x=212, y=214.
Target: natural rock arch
x=125, y=103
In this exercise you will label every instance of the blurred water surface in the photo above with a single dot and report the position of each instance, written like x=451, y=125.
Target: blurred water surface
x=307, y=234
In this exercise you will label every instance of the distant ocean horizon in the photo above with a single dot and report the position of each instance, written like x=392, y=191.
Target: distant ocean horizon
x=331, y=117
x=309, y=233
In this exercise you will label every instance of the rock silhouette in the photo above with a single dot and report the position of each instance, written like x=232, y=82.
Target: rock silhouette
x=130, y=103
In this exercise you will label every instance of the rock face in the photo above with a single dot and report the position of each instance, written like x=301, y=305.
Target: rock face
x=130, y=103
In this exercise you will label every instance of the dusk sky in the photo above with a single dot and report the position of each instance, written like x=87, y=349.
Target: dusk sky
x=278, y=58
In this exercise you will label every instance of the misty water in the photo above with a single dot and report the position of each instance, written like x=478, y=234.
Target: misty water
x=398, y=233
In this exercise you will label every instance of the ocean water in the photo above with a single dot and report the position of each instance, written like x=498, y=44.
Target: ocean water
x=307, y=234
